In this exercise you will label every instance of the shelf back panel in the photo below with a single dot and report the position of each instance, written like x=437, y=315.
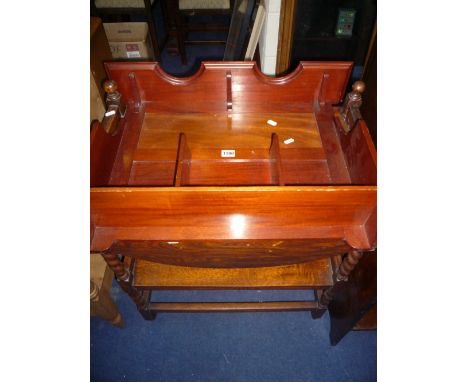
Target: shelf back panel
x=239, y=87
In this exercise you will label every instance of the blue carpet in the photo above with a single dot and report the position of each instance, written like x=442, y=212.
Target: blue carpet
x=195, y=55
x=288, y=346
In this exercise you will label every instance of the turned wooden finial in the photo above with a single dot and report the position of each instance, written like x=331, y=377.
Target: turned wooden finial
x=110, y=86
x=113, y=96
x=115, y=108
x=350, y=113
x=359, y=87
x=354, y=98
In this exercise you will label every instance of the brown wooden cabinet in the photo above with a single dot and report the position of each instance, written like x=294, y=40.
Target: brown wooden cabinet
x=232, y=180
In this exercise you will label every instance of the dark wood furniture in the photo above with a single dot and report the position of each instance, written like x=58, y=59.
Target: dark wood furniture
x=230, y=179
x=178, y=12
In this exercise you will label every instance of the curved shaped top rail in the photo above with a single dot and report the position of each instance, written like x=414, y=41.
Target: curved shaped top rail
x=242, y=84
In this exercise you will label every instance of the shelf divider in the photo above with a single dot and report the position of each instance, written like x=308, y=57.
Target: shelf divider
x=276, y=169
x=182, y=173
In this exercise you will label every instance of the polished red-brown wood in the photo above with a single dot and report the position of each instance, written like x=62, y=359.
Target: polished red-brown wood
x=251, y=137
x=360, y=155
x=236, y=253
x=276, y=165
x=339, y=173
x=124, y=159
x=293, y=197
x=251, y=90
x=103, y=153
x=220, y=213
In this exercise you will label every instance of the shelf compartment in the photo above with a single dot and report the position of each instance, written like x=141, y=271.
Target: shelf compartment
x=159, y=151
x=315, y=274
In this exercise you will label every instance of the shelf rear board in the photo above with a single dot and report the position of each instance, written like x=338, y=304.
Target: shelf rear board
x=251, y=90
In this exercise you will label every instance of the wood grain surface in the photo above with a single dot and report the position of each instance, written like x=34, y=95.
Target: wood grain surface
x=273, y=215
x=231, y=253
x=252, y=91
x=220, y=213
x=150, y=275
x=103, y=149
x=154, y=159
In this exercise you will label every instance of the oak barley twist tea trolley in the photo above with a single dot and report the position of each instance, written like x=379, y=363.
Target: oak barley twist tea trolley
x=193, y=188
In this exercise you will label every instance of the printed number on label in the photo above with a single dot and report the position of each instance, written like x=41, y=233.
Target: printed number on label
x=228, y=153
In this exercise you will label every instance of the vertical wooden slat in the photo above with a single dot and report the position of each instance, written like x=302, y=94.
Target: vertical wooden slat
x=228, y=91
x=332, y=146
x=276, y=170
x=135, y=92
x=323, y=86
x=124, y=158
x=181, y=176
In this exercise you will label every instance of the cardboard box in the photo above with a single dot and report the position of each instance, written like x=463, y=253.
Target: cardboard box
x=128, y=40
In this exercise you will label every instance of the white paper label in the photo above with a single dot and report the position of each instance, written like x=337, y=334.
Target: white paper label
x=109, y=113
x=272, y=123
x=288, y=141
x=228, y=153
x=134, y=54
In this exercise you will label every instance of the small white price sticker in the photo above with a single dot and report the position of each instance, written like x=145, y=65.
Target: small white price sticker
x=272, y=123
x=228, y=153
